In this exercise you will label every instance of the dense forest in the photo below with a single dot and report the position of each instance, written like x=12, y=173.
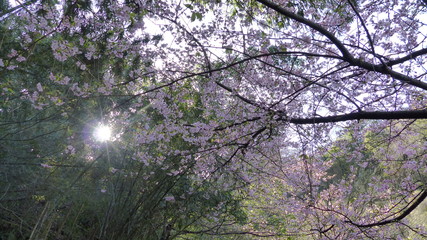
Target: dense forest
x=213, y=119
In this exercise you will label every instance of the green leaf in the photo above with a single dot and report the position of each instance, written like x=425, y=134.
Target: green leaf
x=189, y=6
x=196, y=15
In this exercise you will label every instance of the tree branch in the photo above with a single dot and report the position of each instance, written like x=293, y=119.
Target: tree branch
x=414, y=114
x=344, y=51
x=385, y=70
x=405, y=213
x=406, y=58
x=313, y=25
x=17, y=7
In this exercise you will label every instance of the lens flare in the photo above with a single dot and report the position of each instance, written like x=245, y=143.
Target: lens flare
x=102, y=133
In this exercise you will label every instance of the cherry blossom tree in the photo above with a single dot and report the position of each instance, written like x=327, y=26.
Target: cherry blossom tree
x=298, y=119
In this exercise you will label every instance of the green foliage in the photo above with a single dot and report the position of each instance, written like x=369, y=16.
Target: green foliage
x=196, y=15
x=4, y=6
x=58, y=186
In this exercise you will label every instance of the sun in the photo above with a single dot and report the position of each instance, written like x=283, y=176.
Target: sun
x=102, y=133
